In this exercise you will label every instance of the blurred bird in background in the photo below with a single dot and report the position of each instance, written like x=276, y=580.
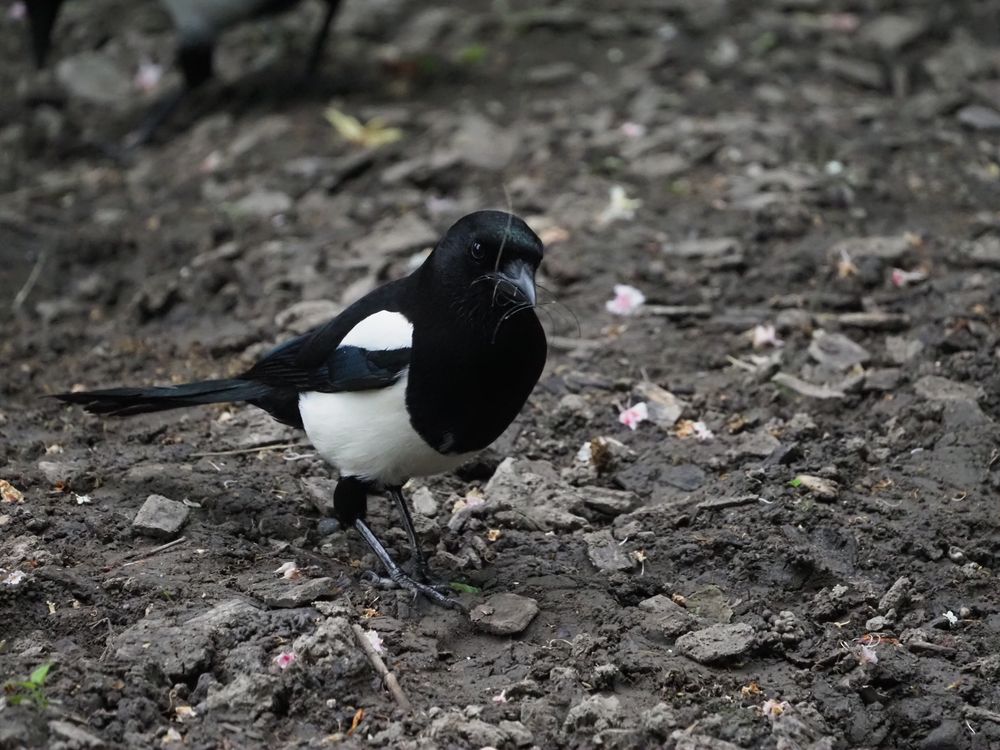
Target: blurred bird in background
x=199, y=24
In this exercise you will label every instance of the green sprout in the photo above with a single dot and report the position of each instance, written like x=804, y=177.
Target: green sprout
x=463, y=588
x=32, y=689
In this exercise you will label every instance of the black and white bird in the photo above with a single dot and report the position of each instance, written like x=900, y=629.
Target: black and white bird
x=411, y=380
x=199, y=24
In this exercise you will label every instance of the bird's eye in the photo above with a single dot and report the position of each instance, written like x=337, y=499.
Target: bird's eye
x=476, y=251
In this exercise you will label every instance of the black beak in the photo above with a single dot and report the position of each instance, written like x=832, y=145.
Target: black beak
x=521, y=276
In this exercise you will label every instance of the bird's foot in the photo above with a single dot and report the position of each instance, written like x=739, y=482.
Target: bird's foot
x=437, y=593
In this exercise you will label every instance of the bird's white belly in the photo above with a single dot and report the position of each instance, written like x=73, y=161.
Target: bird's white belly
x=368, y=434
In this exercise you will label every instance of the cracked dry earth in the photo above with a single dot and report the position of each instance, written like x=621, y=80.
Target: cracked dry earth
x=795, y=547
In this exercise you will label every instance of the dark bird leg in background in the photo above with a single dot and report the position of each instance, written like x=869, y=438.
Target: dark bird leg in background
x=41, y=18
x=195, y=62
x=319, y=43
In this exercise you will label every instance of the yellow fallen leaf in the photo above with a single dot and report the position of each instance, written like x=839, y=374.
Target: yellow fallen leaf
x=371, y=134
x=10, y=493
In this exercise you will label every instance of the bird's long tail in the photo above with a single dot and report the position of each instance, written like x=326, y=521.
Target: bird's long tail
x=123, y=402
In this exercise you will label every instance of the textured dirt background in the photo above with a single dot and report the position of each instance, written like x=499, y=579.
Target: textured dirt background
x=828, y=168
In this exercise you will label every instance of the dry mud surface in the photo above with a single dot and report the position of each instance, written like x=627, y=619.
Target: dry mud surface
x=812, y=566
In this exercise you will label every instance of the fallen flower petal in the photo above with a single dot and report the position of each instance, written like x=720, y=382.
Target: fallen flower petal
x=82, y=499
x=14, y=577
x=289, y=570
x=633, y=129
x=951, y=617
x=901, y=278
x=632, y=416
x=868, y=655
x=285, y=659
x=619, y=207
x=627, y=300
x=500, y=697
x=765, y=335
x=845, y=266
x=148, y=76
x=376, y=640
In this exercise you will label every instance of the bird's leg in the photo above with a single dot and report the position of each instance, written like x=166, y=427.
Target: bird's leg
x=420, y=567
x=396, y=574
x=320, y=41
x=195, y=62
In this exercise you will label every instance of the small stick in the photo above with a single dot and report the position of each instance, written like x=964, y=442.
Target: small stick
x=30, y=282
x=388, y=678
x=156, y=550
x=255, y=449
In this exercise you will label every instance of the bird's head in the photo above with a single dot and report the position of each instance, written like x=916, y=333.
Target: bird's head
x=486, y=264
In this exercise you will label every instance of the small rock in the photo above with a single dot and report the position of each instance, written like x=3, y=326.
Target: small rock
x=607, y=501
x=886, y=379
x=897, y=596
x=804, y=388
x=606, y=553
x=902, y=350
x=320, y=491
x=67, y=473
x=978, y=117
x=424, y=502
x=877, y=623
x=690, y=740
x=874, y=320
x=891, y=32
x=709, y=247
x=664, y=407
x=984, y=251
x=668, y=617
x=75, y=735
x=593, y=714
x=717, y=643
x=504, y=614
x=758, y=444
x=711, y=603
x=160, y=517
x=937, y=388
x=836, y=351
x=93, y=77
x=659, y=720
x=262, y=203
x=481, y=143
x=823, y=488
x=687, y=477
x=278, y=594
x=854, y=70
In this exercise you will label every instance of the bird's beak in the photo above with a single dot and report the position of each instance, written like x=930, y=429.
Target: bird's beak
x=521, y=276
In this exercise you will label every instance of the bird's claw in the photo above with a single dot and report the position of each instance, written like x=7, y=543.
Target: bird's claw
x=434, y=592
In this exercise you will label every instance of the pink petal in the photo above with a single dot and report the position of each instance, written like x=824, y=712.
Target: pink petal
x=632, y=416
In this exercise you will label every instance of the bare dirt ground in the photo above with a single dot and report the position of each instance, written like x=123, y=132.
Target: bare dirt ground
x=797, y=549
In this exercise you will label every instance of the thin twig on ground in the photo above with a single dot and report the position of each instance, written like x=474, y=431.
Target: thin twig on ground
x=255, y=449
x=30, y=282
x=156, y=550
x=388, y=678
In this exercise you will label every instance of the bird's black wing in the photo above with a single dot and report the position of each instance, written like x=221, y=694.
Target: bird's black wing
x=316, y=361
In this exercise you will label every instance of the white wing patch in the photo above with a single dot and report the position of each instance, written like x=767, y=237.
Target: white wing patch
x=383, y=330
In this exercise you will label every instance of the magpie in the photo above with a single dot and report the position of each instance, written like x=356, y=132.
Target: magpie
x=410, y=380
x=199, y=24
